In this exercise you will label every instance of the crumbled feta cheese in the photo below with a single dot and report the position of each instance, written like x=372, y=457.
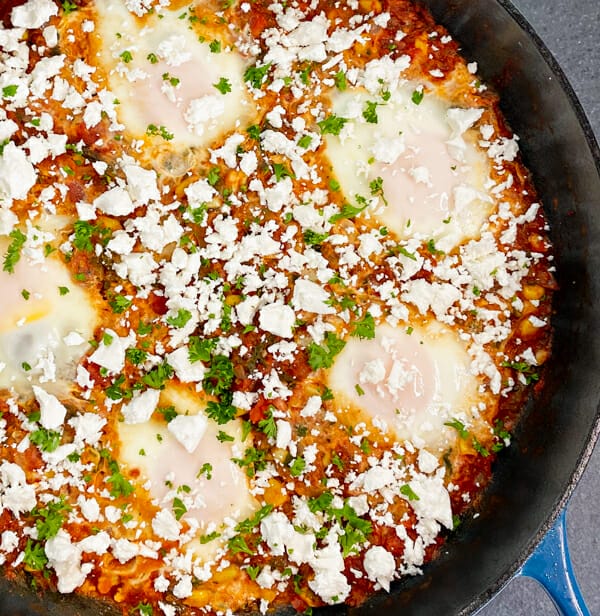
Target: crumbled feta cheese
x=188, y=430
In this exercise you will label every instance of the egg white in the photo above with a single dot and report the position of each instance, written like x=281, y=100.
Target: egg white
x=146, y=97
x=409, y=382
x=40, y=327
x=165, y=465
x=434, y=181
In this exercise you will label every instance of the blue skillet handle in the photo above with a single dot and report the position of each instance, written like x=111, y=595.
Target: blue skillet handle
x=550, y=564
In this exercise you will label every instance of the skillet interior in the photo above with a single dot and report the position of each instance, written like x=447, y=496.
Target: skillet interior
x=555, y=439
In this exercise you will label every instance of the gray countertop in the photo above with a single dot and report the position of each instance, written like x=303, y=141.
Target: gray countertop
x=570, y=29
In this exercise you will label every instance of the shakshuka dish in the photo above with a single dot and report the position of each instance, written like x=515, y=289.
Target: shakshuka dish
x=275, y=287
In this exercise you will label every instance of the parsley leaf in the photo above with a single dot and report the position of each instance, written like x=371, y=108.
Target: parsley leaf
x=9, y=91
x=213, y=176
x=50, y=518
x=312, y=238
x=153, y=130
x=459, y=426
x=332, y=124
x=68, y=6
x=407, y=491
x=35, y=555
x=13, y=253
x=304, y=141
x=119, y=485
x=179, y=508
x=297, y=467
x=365, y=328
x=168, y=412
x=46, y=440
x=321, y=502
x=253, y=461
x=340, y=81
x=157, y=376
x=238, y=544
x=136, y=356
x=221, y=411
x=321, y=356
x=181, y=319
x=524, y=368
x=257, y=74
x=223, y=437
x=417, y=97
x=370, y=112
x=219, y=376
x=254, y=131
x=281, y=171
x=144, y=609
x=119, y=304
x=247, y=525
x=268, y=425
x=350, y=211
x=200, y=349
x=223, y=85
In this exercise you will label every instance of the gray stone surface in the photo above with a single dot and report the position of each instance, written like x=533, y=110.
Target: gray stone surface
x=571, y=30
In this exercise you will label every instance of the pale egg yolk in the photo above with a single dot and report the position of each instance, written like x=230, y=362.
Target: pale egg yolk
x=168, y=83
x=46, y=321
x=409, y=383
x=429, y=187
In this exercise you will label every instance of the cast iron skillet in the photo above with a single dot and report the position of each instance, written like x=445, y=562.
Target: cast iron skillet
x=535, y=476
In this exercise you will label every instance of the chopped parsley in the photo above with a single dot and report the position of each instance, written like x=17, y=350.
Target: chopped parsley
x=253, y=461
x=13, y=253
x=350, y=211
x=126, y=56
x=215, y=46
x=205, y=469
x=256, y=75
x=312, y=238
x=157, y=377
x=223, y=437
x=180, y=319
x=168, y=412
x=332, y=124
x=223, y=85
x=46, y=440
x=213, y=176
x=119, y=484
x=370, y=112
x=297, y=467
x=340, y=81
x=459, y=426
x=417, y=97
x=9, y=91
x=281, y=171
x=365, y=328
x=247, y=525
x=527, y=370
x=161, y=131
x=136, y=356
x=201, y=349
x=179, y=508
x=35, y=555
x=49, y=519
x=305, y=141
x=407, y=491
x=68, y=6
x=321, y=355
x=119, y=304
